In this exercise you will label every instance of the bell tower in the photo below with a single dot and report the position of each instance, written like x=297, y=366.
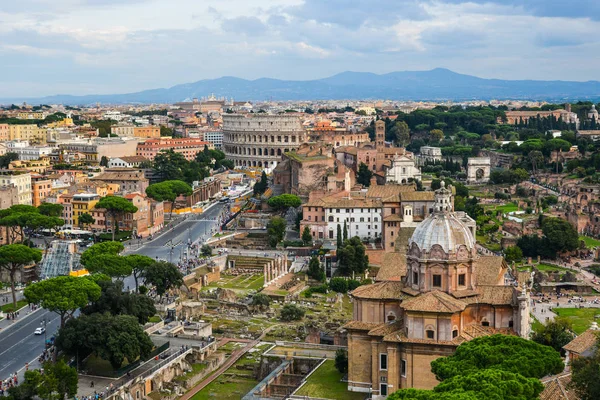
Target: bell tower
x=379, y=135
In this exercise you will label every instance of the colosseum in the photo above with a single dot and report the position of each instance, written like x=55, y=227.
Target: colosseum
x=259, y=140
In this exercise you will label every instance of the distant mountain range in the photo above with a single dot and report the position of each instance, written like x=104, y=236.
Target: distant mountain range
x=437, y=84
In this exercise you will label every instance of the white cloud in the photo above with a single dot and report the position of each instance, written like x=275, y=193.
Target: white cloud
x=120, y=46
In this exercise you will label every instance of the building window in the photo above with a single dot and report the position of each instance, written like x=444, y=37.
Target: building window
x=403, y=368
x=330, y=218
x=393, y=211
x=485, y=322
x=461, y=280
x=454, y=333
x=330, y=234
x=430, y=334
x=383, y=389
x=337, y=210
x=437, y=281
x=415, y=278
x=383, y=361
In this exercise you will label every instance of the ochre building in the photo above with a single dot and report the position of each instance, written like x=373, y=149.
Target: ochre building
x=440, y=294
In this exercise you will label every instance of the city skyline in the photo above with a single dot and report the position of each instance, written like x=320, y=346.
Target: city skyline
x=100, y=46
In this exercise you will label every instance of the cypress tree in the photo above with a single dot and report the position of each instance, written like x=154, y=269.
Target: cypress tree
x=345, y=232
x=339, y=236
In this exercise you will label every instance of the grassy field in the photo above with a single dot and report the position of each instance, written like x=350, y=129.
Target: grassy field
x=238, y=380
x=506, y=208
x=590, y=242
x=581, y=318
x=536, y=325
x=326, y=383
x=9, y=307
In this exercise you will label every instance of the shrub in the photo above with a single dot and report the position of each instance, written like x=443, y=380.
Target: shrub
x=339, y=285
x=291, y=312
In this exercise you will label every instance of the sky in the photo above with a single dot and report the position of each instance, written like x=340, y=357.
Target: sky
x=118, y=46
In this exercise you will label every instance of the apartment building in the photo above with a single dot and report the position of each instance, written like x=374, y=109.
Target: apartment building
x=188, y=147
x=83, y=203
x=21, y=180
x=41, y=188
x=129, y=180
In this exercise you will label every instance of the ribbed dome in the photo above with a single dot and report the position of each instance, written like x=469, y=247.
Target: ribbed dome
x=442, y=227
x=445, y=229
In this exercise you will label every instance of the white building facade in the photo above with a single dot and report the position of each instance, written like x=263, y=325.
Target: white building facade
x=362, y=218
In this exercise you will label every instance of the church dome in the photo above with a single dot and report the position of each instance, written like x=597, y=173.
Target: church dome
x=443, y=227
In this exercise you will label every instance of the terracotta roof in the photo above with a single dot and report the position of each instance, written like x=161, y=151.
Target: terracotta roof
x=473, y=331
x=393, y=217
x=386, y=191
x=132, y=159
x=122, y=175
x=410, y=291
x=386, y=329
x=361, y=326
x=557, y=388
x=435, y=301
x=389, y=290
x=583, y=342
x=417, y=196
x=495, y=295
x=489, y=270
x=393, y=267
x=459, y=294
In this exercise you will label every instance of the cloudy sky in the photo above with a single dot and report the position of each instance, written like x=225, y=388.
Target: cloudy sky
x=117, y=46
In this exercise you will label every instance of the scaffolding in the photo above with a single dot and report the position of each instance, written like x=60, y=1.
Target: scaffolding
x=61, y=259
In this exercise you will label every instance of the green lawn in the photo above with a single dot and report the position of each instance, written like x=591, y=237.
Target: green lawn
x=536, y=325
x=234, y=383
x=547, y=267
x=326, y=383
x=9, y=307
x=506, y=208
x=581, y=318
x=240, y=282
x=590, y=242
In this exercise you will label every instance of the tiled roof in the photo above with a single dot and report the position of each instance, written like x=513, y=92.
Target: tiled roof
x=385, y=191
x=386, y=329
x=393, y=267
x=489, y=270
x=417, y=196
x=495, y=295
x=399, y=337
x=122, y=175
x=389, y=290
x=583, y=342
x=393, y=217
x=557, y=388
x=435, y=301
x=473, y=331
x=361, y=326
x=133, y=159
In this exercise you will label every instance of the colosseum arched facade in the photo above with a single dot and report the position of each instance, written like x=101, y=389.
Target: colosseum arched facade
x=259, y=140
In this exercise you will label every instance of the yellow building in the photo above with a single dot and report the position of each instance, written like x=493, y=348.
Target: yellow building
x=40, y=166
x=83, y=203
x=148, y=132
x=4, y=132
x=61, y=124
x=30, y=132
x=32, y=115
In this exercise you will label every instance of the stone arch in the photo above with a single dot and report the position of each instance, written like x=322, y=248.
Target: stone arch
x=479, y=173
x=391, y=316
x=278, y=152
x=272, y=152
x=260, y=151
x=260, y=163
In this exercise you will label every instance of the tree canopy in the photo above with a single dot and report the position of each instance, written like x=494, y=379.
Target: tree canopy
x=364, y=175
x=284, y=201
x=556, y=334
x=14, y=257
x=168, y=190
x=501, y=352
x=114, y=338
x=114, y=300
x=113, y=248
x=352, y=257
x=59, y=381
x=494, y=367
x=116, y=207
x=276, y=230
x=163, y=276
x=63, y=294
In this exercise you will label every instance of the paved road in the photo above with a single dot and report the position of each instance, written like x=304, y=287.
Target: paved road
x=18, y=344
x=172, y=244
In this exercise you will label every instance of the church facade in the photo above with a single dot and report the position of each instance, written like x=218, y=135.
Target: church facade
x=440, y=294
